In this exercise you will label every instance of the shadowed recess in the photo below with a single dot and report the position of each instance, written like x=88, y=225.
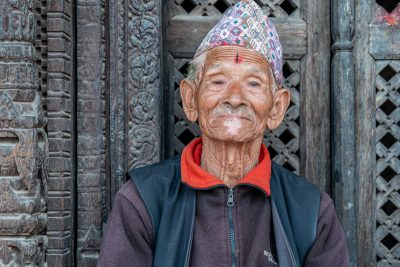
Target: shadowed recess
x=388, y=5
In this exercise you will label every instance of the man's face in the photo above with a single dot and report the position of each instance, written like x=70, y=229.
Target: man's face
x=234, y=94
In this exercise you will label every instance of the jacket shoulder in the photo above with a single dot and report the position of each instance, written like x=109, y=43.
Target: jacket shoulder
x=157, y=184
x=291, y=180
x=162, y=174
x=298, y=202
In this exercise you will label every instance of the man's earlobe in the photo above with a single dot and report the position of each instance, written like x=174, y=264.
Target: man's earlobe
x=187, y=90
x=277, y=113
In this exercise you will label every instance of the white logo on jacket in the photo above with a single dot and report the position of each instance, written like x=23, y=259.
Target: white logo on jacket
x=270, y=257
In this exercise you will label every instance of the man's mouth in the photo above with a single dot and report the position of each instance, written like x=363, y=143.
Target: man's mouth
x=233, y=116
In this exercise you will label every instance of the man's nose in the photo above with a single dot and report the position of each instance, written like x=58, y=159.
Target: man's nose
x=235, y=95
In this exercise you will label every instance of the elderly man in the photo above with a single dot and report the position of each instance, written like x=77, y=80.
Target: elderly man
x=223, y=202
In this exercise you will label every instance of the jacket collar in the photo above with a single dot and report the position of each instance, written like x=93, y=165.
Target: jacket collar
x=194, y=176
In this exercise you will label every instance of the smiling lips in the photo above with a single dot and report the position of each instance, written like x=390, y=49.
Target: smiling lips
x=233, y=116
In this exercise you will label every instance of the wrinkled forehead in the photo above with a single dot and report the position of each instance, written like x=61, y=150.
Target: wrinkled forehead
x=226, y=56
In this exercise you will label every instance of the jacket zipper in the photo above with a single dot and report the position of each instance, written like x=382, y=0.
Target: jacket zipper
x=230, y=205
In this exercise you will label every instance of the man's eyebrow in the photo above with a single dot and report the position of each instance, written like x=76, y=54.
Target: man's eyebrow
x=214, y=66
x=256, y=69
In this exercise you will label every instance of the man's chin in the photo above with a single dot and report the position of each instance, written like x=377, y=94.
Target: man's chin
x=232, y=138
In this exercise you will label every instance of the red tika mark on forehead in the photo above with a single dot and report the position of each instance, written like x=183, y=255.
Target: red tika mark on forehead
x=238, y=59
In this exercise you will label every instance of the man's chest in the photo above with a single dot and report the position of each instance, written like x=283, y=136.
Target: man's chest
x=233, y=228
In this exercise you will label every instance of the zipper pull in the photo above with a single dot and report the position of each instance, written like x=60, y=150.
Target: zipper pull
x=230, y=198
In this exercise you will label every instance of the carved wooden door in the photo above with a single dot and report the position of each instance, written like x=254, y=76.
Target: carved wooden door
x=89, y=89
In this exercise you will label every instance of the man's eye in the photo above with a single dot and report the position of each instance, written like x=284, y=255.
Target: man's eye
x=254, y=84
x=218, y=82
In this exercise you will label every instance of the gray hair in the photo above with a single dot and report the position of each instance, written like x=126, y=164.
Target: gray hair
x=195, y=65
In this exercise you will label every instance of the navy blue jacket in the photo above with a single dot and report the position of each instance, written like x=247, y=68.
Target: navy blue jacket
x=172, y=205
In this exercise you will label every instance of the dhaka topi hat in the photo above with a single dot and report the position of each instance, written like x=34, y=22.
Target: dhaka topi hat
x=245, y=25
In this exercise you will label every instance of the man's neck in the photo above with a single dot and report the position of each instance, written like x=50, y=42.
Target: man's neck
x=229, y=161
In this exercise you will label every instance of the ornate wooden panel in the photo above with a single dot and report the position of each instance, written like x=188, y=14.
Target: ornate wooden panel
x=90, y=89
x=387, y=236
x=23, y=140
x=272, y=8
x=143, y=82
x=194, y=18
x=134, y=86
x=377, y=84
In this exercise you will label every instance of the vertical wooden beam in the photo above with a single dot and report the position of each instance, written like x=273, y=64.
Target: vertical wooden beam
x=343, y=120
x=23, y=140
x=118, y=95
x=365, y=141
x=144, y=82
x=91, y=128
x=61, y=131
x=314, y=91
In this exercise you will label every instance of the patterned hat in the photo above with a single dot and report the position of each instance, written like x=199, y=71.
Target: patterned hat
x=245, y=25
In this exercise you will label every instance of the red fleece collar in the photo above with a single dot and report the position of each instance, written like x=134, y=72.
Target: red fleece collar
x=196, y=177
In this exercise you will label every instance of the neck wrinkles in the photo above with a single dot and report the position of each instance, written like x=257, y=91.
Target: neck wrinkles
x=229, y=161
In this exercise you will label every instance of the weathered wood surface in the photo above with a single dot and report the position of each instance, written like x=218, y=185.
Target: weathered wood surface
x=117, y=93
x=144, y=82
x=60, y=108
x=182, y=26
x=343, y=120
x=91, y=129
x=315, y=95
x=384, y=37
x=119, y=101
x=386, y=150
x=365, y=141
x=387, y=165
x=23, y=140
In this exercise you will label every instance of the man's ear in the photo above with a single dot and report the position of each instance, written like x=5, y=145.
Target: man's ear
x=187, y=89
x=277, y=113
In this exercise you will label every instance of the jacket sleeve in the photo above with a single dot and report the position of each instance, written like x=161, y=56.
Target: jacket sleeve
x=128, y=237
x=330, y=247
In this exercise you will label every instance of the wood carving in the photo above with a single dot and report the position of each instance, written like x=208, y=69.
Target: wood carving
x=387, y=238
x=118, y=93
x=144, y=50
x=91, y=127
x=23, y=141
x=54, y=45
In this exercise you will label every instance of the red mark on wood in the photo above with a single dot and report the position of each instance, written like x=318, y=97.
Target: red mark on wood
x=390, y=19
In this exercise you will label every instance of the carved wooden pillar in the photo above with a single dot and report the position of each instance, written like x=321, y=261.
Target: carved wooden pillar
x=143, y=82
x=23, y=141
x=91, y=129
x=134, y=86
x=343, y=119
x=58, y=77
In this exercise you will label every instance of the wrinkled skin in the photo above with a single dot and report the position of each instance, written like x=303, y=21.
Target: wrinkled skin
x=234, y=99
